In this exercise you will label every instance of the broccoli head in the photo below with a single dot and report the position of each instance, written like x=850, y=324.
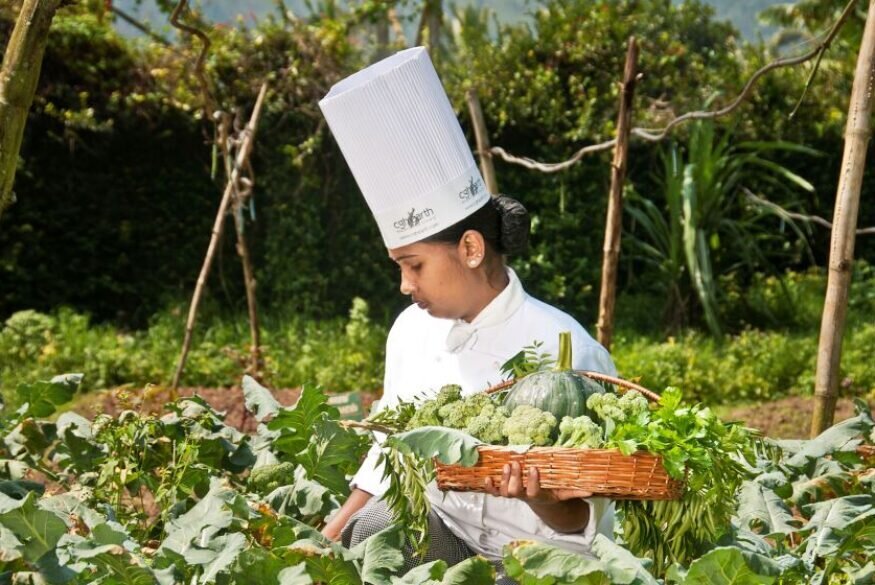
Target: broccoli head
x=426, y=415
x=267, y=478
x=528, y=425
x=579, y=432
x=618, y=408
x=447, y=394
x=457, y=414
x=488, y=426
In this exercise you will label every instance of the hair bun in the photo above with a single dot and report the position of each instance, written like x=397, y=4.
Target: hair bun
x=515, y=224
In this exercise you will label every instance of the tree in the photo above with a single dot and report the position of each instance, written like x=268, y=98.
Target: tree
x=18, y=79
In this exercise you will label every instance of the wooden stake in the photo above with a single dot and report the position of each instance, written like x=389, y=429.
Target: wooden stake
x=430, y=21
x=249, y=281
x=841, y=257
x=614, y=223
x=218, y=227
x=18, y=80
x=482, y=137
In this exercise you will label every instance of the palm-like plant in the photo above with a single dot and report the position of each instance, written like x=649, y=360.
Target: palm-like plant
x=704, y=225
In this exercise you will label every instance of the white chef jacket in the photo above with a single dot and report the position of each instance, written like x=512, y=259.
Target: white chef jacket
x=424, y=353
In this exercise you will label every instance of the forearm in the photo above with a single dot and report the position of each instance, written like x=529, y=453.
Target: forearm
x=355, y=502
x=565, y=516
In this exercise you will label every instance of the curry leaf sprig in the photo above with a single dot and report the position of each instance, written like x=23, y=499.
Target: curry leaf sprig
x=697, y=446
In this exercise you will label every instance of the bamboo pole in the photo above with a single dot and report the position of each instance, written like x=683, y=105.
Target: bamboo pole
x=218, y=227
x=248, y=281
x=19, y=76
x=614, y=224
x=482, y=137
x=858, y=131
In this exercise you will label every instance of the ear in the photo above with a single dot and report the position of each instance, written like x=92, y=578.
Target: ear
x=472, y=249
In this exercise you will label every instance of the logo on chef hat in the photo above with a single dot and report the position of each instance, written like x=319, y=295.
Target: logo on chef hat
x=472, y=189
x=413, y=219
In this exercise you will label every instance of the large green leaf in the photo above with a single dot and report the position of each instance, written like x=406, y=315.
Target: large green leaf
x=427, y=574
x=380, y=555
x=224, y=552
x=257, y=565
x=845, y=436
x=724, y=566
x=42, y=399
x=759, y=506
x=106, y=557
x=623, y=567
x=19, y=488
x=38, y=530
x=450, y=446
x=473, y=571
x=295, y=575
x=67, y=504
x=209, y=516
x=10, y=546
x=332, y=453
x=296, y=424
x=831, y=522
x=259, y=400
x=76, y=452
x=776, y=481
x=537, y=563
x=303, y=499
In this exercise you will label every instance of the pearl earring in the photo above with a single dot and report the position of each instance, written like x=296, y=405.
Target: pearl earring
x=472, y=263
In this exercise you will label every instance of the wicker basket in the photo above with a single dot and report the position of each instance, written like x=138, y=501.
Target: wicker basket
x=603, y=472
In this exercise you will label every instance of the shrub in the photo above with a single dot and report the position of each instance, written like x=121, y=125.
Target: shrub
x=339, y=354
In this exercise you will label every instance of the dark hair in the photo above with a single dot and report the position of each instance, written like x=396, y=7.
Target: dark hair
x=503, y=221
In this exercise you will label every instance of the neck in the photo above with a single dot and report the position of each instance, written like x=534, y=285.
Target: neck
x=491, y=281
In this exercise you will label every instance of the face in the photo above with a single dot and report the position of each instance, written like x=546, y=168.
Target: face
x=436, y=278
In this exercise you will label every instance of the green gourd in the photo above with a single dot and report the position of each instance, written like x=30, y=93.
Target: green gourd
x=560, y=391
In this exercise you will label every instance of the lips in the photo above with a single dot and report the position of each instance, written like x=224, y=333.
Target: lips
x=421, y=304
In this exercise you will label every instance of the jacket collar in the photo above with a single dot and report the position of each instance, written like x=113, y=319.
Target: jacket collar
x=496, y=312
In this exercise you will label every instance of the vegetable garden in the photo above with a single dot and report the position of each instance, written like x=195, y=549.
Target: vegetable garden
x=181, y=497
x=719, y=292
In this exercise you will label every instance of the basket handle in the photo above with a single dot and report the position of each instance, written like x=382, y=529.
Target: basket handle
x=619, y=382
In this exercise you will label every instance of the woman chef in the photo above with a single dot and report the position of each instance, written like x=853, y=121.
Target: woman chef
x=470, y=313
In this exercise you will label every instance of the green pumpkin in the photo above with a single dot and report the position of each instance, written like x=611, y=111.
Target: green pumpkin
x=560, y=390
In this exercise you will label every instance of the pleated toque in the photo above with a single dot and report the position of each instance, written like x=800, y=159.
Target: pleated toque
x=405, y=147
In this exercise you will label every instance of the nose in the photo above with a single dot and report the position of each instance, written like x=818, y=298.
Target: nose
x=407, y=287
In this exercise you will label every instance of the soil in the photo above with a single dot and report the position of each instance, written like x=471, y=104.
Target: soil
x=785, y=418
x=152, y=400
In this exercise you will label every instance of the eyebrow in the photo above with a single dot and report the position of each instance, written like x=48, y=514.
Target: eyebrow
x=405, y=257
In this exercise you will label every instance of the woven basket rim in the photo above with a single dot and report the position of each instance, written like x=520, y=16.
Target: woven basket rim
x=598, y=376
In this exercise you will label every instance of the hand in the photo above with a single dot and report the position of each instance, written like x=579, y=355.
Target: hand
x=564, y=510
x=513, y=486
x=332, y=532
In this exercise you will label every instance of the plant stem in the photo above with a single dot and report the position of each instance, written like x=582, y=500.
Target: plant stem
x=563, y=364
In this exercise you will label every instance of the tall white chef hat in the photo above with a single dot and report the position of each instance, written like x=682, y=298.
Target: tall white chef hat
x=402, y=141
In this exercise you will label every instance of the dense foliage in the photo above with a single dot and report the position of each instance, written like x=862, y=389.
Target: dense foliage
x=773, y=360
x=118, y=122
